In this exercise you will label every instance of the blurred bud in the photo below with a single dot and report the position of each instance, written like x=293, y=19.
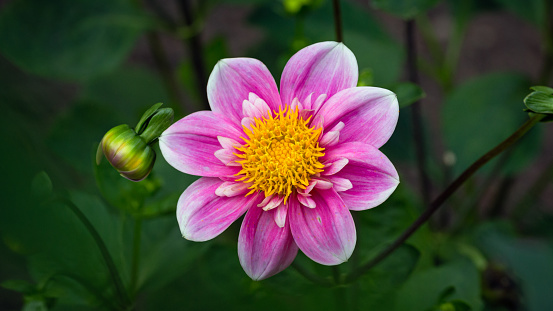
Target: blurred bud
x=540, y=101
x=128, y=150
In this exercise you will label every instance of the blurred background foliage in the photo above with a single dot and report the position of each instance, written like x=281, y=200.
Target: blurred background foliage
x=76, y=236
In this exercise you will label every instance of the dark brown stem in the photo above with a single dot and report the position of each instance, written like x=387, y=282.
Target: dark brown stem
x=433, y=207
x=165, y=70
x=338, y=20
x=413, y=74
x=195, y=47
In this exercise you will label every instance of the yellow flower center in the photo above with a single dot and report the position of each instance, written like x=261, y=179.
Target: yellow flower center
x=281, y=154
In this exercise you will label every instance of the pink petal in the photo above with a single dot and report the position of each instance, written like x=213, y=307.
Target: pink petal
x=203, y=215
x=189, y=145
x=231, y=82
x=280, y=215
x=334, y=165
x=227, y=157
x=307, y=201
x=340, y=184
x=231, y=189
x=370, y=114
x=321, y=68
x=264, y=248
x=256, y=108
x=326, y=233
x=227, y=143
x=370, y=172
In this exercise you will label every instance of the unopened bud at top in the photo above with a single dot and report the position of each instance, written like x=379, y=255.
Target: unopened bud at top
x=128, y=150
x=540, y=101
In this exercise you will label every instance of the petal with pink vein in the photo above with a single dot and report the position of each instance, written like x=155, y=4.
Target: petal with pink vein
x=264, y=248
x=231, y=82
x=321, y=68
x=326, y=233
x=372, y=175
x=203, y=215
x=189, y=145
x=370, y=114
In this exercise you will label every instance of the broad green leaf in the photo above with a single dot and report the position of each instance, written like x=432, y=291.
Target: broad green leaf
x=22, y=286
x=405, y=9
x=379, y=285
x=528, y=259
x=69, y=40
x=424, y=290
x=407, y=93
x=481, y=113
x=41, y=185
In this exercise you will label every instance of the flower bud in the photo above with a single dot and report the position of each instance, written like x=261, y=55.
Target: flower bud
x=127, y=152
x=540, y=101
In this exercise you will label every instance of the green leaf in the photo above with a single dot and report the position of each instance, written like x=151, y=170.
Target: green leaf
x=459, y=275
x=407, y=93
x=405, y=9
x=366, y=77
x=544, y=89
x=539, y=102
x=529, y=259
x=481, y=113
x=22, y=286
x=380, y=284
x=41, y=185
x=162, y=119
x=140, y=126
x=69, y=40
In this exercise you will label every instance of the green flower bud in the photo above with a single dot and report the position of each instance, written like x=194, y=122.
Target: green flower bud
x=129, y=151
x=540, y=101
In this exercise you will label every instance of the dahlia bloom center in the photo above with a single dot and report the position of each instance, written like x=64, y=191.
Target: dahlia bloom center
x=280, y=154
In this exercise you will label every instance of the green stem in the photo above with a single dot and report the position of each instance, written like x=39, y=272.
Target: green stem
x=310, y=276
x=433, y=207
x=135, y=254
x=116, y=278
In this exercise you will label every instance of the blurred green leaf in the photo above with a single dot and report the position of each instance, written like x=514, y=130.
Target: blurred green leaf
x=365, y=77
x=459, y=275
x=65, y=39
x=481, y=113
x=41, y=186
x=529, y=259
x=533, y=11
x=405, y=9
x=407, y=93
x=379, y=286
x=21, y=286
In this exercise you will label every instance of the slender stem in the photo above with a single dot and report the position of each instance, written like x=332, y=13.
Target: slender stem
x=339, y=291
x=310, y=276
x=135, y=253
x=164, y=68
x=338, y=20
x=116, y=278
x=416, y=110
x=433, y=207
x=195, y=47
x=547, y=67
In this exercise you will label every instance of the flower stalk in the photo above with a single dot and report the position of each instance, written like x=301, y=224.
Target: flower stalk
x=435, y=205
x=338, y=20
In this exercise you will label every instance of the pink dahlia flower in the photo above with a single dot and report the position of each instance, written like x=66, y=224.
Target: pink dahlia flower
x=296, y=162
